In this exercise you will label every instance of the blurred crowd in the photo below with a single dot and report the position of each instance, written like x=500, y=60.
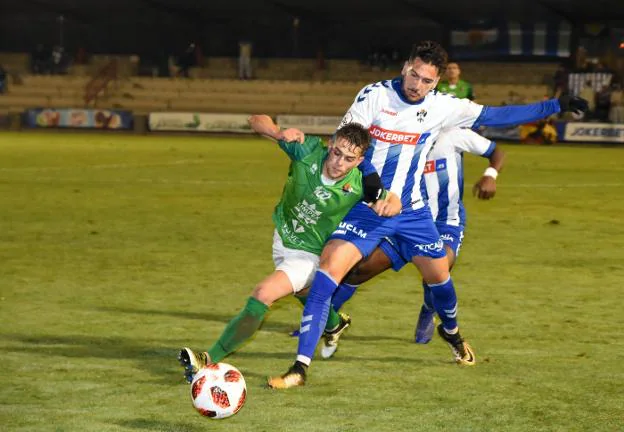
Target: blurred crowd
x=45, y=61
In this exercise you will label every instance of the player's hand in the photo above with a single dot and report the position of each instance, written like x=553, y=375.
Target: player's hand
x=575, y=104
x=388, y=207
x=292, y=134
x=485, y=188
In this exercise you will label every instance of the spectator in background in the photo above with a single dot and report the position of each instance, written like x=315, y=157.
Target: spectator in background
x=560, y=81
x=3, y=79
x=454, y=85
x=603, y=103
x=540, y=132
x=58, y=61
x=513, y=98
x=187, y=60
x=244, y=59
x=616, y=111
x=40, y=60
x=581, y=63
x=589, y=95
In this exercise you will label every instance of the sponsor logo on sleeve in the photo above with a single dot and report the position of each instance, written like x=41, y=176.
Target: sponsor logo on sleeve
x=348, y=118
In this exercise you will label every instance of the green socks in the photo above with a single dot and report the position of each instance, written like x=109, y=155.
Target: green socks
x=242, y=327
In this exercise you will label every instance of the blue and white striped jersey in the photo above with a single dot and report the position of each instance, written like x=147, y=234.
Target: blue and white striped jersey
x=403, y=132
x=443, y=174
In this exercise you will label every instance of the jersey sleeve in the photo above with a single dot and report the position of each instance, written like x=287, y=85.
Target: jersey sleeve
x=362, y=109
x=297, y=151
x=465, y=140
x=497, y=116
x=366, y=167
x=460, y=112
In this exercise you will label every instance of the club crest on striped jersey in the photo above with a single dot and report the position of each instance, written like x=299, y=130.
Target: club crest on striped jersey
x=420, y=115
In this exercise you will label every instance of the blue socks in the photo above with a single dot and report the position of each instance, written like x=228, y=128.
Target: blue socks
x=427, y=296
x=315, y=315
x=343, y=293
x=445, y=303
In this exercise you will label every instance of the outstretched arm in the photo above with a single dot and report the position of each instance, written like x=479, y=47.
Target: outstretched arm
x=516, y=114
x=485, y=188
x=265, y=126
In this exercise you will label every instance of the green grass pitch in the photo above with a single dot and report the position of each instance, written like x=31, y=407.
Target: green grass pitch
x=116, y=250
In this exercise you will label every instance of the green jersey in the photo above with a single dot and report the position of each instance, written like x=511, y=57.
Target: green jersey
x=310, y=210
x=462, y=89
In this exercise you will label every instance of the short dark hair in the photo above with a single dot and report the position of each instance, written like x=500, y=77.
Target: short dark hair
x=356, y=134
x=430, y=52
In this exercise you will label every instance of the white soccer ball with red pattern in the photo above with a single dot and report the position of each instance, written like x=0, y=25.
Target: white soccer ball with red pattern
x=218, y=390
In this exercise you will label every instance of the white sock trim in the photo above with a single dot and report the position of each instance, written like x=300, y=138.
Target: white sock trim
x=304, y=359
x=328, y=275
x=438, y=284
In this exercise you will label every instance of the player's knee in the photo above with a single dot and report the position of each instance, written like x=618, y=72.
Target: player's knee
x=265, y=294
x=450, y=256
x=436, y=275
x=355, y=276
x=365, y=270
x=335, y=270
x=338, y=257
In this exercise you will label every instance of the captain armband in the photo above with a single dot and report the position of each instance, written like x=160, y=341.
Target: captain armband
x=373, y=188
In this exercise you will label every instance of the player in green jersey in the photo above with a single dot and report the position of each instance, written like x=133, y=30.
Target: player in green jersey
x=323, y=184
x=455, y=86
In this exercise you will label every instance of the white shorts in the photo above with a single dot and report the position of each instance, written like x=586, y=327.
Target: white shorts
x=300, y=266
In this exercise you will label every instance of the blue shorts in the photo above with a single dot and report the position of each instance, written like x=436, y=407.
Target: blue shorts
x=413, y=232
x=451, y=236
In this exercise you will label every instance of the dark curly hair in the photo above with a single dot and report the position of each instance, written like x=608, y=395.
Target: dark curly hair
x=356, y=134
x=432, y=53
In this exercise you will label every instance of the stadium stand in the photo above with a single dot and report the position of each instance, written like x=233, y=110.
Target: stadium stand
x=283, y=86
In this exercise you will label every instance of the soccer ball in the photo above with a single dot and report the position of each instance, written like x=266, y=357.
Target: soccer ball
x=218, y=390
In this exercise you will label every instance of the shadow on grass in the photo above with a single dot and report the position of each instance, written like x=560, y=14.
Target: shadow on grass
x=268, y=325
x=163, y=426
x=158, y=357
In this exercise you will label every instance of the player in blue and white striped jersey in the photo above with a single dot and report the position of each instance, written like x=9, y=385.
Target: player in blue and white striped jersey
x=404, y=116
x=444, y=189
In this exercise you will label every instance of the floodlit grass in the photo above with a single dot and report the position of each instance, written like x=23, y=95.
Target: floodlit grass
x=116, y=250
